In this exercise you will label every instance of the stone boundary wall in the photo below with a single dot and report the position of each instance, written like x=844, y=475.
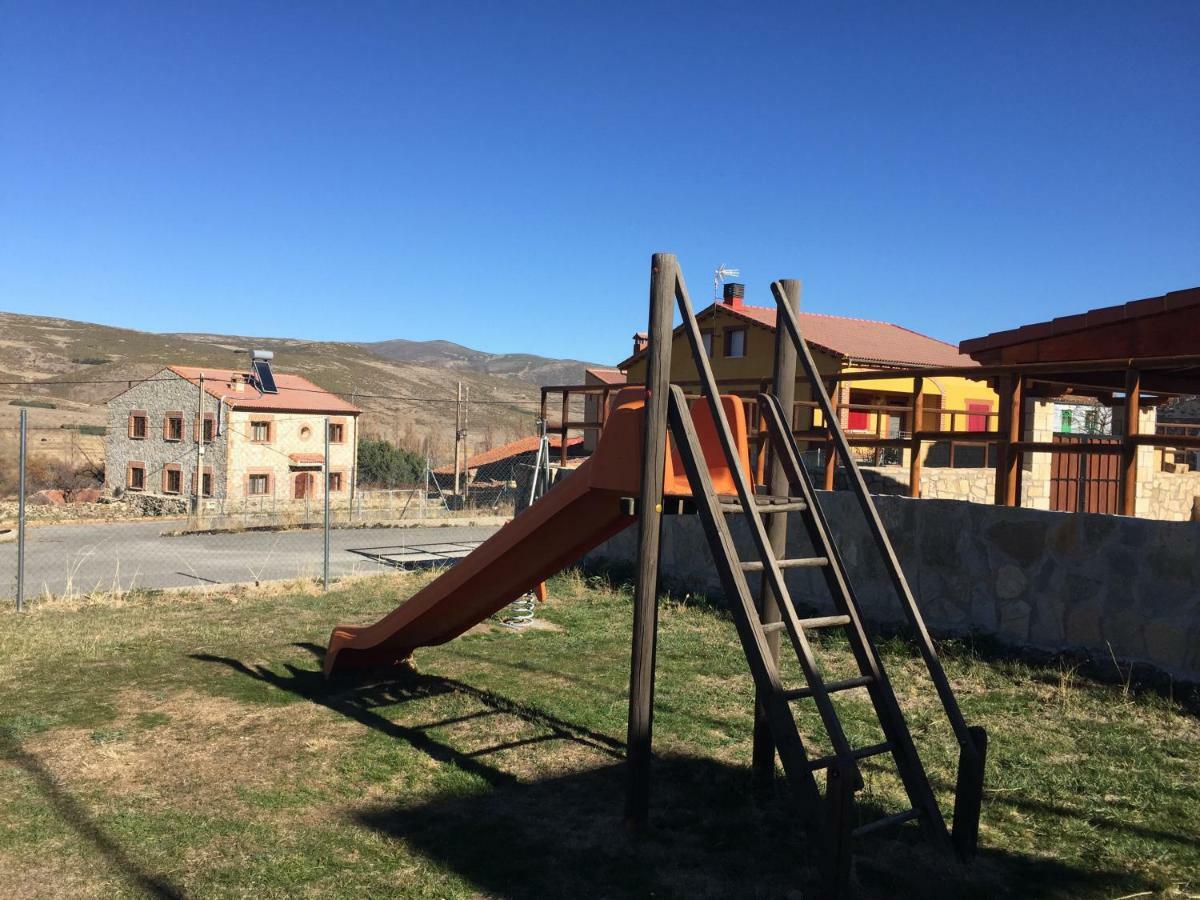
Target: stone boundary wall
x=1169, y=496
x=1109, y=585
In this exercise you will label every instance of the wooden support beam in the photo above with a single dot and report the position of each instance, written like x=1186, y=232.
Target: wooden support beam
x=830, y=451
x=784, y=388
x=1133, y=397
x=914, y=427
x=562, y=449
x=663, y=274
x=1008, y=461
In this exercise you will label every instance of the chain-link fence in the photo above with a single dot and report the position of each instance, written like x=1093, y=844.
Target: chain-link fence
x=160, y=498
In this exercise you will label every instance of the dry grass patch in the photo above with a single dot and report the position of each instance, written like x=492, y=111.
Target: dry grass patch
x=191, y=750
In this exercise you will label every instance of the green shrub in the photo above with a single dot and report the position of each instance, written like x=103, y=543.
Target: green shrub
x=91, y=360
x=382, y=464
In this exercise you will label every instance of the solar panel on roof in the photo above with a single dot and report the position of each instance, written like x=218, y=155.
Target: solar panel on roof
x=266, y=379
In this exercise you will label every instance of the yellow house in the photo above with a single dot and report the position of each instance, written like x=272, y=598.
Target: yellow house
x=740, y=340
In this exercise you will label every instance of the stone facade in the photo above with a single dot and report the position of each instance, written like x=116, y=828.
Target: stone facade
x=293, y=449
x=156, y=397
x=290, y=433
x=1170, y=496
x=1057, y=581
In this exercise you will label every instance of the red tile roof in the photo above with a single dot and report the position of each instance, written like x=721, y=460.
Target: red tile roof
x=307, y=457
x=296, y=394
x=606, y=376
x=855, y=340
x=516, y=448
x=1105, y=315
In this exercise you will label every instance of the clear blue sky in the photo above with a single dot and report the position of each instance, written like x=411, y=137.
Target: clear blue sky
x=499, y=174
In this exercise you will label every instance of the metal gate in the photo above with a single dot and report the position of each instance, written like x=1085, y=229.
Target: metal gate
x=1085, y=482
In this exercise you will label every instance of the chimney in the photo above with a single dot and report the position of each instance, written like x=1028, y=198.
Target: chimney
x=734, y=293
x=237, y=383
x=641, y=341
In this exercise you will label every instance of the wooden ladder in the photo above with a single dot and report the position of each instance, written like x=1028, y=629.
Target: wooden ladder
x=832, y=815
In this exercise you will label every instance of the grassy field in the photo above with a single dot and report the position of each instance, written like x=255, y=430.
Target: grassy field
x=187, y=745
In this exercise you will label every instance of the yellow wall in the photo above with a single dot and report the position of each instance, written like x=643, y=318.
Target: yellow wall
x=756, y=366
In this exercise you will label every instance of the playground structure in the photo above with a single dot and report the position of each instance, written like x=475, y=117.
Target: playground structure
x=661, y=453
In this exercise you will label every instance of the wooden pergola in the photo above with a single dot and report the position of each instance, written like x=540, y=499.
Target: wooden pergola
x=1145, y=351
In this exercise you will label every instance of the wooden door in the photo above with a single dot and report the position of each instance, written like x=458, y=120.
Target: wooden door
x=1085, y=482
x=304, y=485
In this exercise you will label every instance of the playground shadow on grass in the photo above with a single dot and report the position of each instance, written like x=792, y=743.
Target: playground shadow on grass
x=710, y=833
x=361, y=699
x=709, y=836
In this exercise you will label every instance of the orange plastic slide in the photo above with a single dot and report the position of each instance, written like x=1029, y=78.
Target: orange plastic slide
x=577, y=515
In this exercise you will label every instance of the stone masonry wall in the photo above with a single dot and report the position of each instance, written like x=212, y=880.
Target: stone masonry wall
x=1104, y=584
x=291, y=433
x=164, y=392
x=1169, y=496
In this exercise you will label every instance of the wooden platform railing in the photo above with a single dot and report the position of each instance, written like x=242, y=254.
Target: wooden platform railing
x=748, y=389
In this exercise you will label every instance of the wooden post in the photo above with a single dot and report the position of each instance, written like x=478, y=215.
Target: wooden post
x=917, y=415
x=1129, y=448
x=663, y=273
x=830, y=452
x=784, y=388
x=566, y=411
x=1008, y=459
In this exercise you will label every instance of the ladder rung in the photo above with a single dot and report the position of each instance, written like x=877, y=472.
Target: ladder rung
x=818, y=622
x=765, y=504
x=832, y=687
x=825, y=762
x=886, y=822
x=825, y=622
x=804, y=562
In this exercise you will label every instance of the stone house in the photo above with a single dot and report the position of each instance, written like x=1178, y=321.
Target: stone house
x=249, y=442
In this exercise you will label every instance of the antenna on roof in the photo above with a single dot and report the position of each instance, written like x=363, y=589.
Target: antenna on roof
x=722, y=272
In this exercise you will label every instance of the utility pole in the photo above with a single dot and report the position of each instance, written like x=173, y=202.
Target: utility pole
x=24, y=449
x=458, y=433
x=199, y=448
x=466, y=449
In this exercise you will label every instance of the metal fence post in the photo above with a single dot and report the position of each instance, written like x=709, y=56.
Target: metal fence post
x=326, y=561
x=21, y=509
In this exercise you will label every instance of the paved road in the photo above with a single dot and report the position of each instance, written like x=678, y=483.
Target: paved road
x=107, y=556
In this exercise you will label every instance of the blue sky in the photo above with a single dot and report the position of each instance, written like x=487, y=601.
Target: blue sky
x=499, y=174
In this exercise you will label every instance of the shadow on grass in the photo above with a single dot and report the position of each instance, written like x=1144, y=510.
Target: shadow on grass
x=710, y=833
x=360, y=700
x=1047, y=665
x=708, y=837
x=73, y=814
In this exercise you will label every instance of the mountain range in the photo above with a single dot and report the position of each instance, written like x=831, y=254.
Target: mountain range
x=406, y=388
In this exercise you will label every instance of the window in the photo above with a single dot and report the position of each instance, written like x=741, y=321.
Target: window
x=858, y=420
x=735, y=342
x=136, y=477
x=1065, y=428
x=335, y=481
x=139, y=425
x=173, y=426
x=205, y=484
x=337, y=433
x=209, y=426
x=260, y=432
x=707, y=337
x=976, y=421
x=172, y=479
x=258, y=484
